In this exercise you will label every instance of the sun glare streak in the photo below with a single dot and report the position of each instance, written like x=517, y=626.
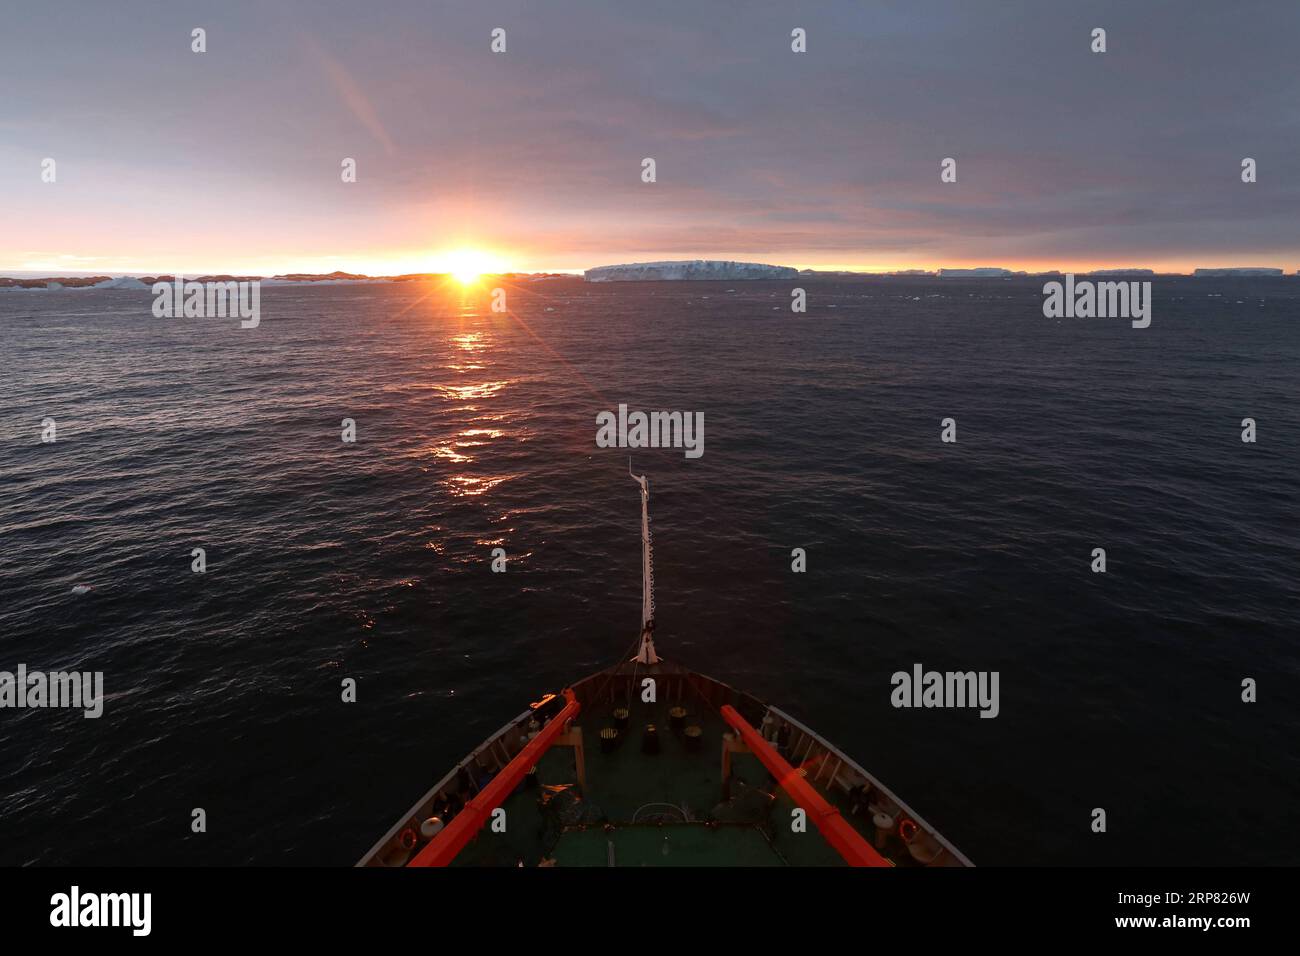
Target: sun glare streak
x=519, y=320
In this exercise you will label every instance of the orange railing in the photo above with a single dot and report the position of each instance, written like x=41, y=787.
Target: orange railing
x=442, y=849
x=838, y=832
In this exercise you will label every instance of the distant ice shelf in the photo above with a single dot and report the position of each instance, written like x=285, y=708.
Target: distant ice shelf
x=984, y=272
x=688, y=269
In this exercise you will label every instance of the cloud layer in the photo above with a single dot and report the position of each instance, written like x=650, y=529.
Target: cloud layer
x=230, y=159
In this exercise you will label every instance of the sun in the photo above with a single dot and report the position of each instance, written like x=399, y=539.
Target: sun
x=467, y=266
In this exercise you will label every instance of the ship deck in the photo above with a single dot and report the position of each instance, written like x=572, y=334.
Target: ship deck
x=626, y=786
x=676, y=806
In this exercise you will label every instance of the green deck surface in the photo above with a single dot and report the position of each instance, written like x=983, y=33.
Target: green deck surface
x=624, y=786
x=679, y=845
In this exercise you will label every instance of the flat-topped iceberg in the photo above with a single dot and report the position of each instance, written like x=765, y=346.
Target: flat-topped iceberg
x=983, y=272
x=688, y=269
x=1236, y=271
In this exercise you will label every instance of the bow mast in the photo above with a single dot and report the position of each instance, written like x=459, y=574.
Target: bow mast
x=646, y=652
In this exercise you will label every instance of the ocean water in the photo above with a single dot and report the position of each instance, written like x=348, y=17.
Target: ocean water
x=476, y=430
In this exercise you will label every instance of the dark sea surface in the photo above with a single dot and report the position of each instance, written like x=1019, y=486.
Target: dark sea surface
x=370, y=560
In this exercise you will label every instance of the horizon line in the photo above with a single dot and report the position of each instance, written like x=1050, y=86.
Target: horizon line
x=903, y=271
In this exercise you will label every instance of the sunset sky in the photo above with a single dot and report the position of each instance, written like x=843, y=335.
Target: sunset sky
x=229, y=161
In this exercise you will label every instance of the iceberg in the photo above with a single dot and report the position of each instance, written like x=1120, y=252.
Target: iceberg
x=121, y=282
x=718, y=269
x=984, y=272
